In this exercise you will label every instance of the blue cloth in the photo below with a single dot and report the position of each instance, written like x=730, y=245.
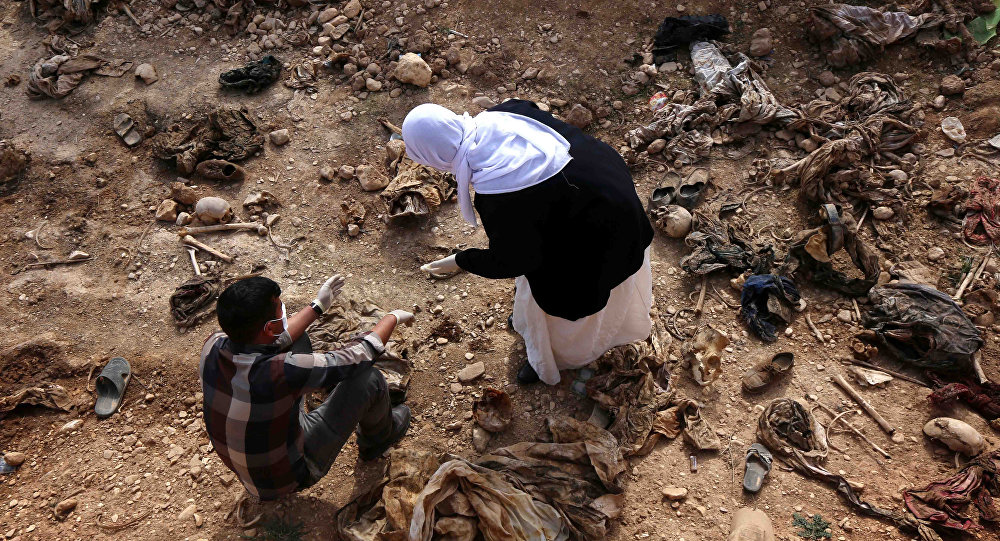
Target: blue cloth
x=756, y=291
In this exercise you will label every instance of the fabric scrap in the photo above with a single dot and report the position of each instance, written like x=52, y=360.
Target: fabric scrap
x=923, y=327
x=224, y=134
x=59, y=75
x=674, y=32
x=253, y=77
x=760, y=293
x=47, y=395
x=982, y=397
x=944, y=503
x=188, y=300
x=715, y=247
x=849, y=34
x=981, y=225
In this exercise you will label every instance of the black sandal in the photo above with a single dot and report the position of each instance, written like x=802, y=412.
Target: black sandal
x=111, y=386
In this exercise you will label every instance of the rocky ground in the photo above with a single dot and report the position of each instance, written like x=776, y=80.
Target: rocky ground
x=149, y=472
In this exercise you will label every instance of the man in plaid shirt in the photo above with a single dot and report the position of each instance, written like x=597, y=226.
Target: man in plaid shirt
x=256, y=372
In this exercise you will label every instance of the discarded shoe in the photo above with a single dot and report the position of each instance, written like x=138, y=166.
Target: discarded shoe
x=692, y=188
x=111, y=385
x=666, y=192
x=221, y=170
x=126, y=129
x=254, y=76
x=758, y=465
x=400, y=424
x=765, y=372
x=751, y=525
x=527, y=375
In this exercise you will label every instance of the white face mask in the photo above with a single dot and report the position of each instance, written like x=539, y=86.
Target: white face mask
x=284, y=319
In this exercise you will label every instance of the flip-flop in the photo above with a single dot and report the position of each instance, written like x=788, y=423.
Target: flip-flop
x=111, y=386
x=126, y=129
x=758, y=464
x=666, y=192
x=692, y=188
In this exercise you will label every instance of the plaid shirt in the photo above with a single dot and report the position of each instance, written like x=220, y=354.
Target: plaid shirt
x=253, y=397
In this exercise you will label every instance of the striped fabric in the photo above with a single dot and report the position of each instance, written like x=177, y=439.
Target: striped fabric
x=253, y=397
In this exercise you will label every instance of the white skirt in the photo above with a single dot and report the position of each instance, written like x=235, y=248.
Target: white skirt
x=555, y=344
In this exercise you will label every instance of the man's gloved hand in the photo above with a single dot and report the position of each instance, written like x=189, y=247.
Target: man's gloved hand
x=329, y=291
x=402, y=316
x=442, y=267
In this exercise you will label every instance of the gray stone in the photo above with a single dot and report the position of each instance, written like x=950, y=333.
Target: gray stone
x=413, y=70
x=760, y=43
x=827, y=78
x=279, y=137
x=844, y=316
x=952, y=85
x=579, y=116
x=483, y=102
x=352, y=9
x=935, y=253
x=673, y=493
x=147, y=73
x=471, y=372
x=883, y=213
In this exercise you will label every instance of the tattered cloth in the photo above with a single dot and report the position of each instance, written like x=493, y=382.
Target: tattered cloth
x=632, y=383
x=982, y=213
x=13, y=163
x=982, y=397
x=252, y=77
x=789, y=430
x=73, y=15
x=849, y=34
x=48, y=395
x=923, y=327
x=760, y=292
x=728, y=95
x=942, y=503
x=191, y=297
x=225, y=134
x=714, y=247
x=676, y=31
x=56, y=77
x=564, y=489
x=415, y=190
x=812, y=251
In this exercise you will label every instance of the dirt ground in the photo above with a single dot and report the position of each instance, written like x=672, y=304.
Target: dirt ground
x=85, y=190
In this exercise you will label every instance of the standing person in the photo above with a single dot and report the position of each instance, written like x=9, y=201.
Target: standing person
x=256, y=372
x=563, y=219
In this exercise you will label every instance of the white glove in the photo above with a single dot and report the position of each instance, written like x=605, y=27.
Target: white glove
x=329, y=291
x=402, y=316
x=442, y=267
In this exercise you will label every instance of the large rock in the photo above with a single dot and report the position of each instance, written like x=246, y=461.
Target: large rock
x=183, y=194
x=760, y=43
x=471, y=372
x=279, y=137
x=952, y=85
x=147, y=73
x=167, y=211
x=412, y=69
x=352, y=9
x=369, y=180
x=579, y=116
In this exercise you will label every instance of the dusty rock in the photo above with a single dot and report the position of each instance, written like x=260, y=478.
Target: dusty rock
x=939, y=102
x=346, y=172
x=675, y=493
x=65, y=507
x=413, y=70
x=14, y=458
x=327, y=173
x=898, y=176
x=935, y=253
x=760, y=43
x=183, y=194
x=183, y=219
x=370, y=181
x=579, y=116
x=952, y=85
x=656, y=146
x=167, y=211
x=844, y=316
x=147, y=73
x=882, y=213
x=279, y=137
x=827, y=78
x=480, y=438
x=471, y=372
x=71, y=426
x=327, y=15
x=194, y=466
x=352, y=9
x=353, y=230
x=483, y=102
x=373, y=85
x=187, y=513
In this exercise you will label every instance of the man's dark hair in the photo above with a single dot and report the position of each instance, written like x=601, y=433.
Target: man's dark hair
x=245, y=306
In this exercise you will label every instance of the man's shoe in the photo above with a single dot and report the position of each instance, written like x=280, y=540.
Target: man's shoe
x=527, y=375
x=400, y=424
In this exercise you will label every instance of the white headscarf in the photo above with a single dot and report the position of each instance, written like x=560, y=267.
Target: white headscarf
x=494, y=152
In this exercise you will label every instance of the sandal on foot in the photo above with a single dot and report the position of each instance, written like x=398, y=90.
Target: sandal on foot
x=666, y=192
x=527, y=375
x=111, y=386
x=692, y=188
x=765, y=372
x=758, y=464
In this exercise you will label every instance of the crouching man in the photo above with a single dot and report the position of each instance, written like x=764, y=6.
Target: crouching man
x=256, y=372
